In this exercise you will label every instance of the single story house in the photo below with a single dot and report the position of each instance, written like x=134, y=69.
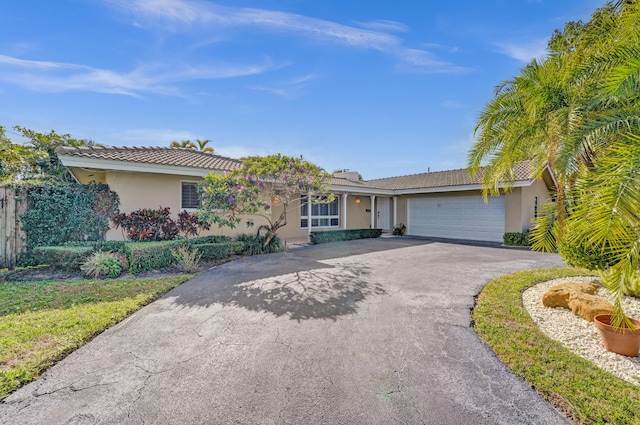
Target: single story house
x=443, y=204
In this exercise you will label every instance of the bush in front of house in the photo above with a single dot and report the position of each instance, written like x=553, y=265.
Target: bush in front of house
x=344, y=235
x=145, y=256
x=101, y=264
x=210, y=239
x=218, y=251
x=146, y=224
x=516, y=239
x=62, y=258
x=253, y=244
x=579, y=256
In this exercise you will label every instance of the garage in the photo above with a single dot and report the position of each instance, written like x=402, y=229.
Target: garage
x=457, y=217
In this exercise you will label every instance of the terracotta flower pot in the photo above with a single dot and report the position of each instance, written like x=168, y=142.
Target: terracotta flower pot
x=620, y=341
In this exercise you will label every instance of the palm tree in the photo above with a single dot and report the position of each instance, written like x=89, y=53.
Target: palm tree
x=200, y=145
x=577, y=111
x=187, y=144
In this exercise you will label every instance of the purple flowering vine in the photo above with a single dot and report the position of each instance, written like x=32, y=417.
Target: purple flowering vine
x=230, y=199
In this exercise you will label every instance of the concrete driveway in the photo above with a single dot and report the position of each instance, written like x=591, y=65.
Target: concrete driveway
x=364, y=332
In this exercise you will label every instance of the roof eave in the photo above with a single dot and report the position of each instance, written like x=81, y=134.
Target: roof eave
x=136, y=167
x=459, y=188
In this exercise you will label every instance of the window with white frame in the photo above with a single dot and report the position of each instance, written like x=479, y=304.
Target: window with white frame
x=322, y=214
x=190, y=198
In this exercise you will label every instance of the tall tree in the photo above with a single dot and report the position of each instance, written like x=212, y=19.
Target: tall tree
x=577, y=111
x=37, y=158
x=259, y=186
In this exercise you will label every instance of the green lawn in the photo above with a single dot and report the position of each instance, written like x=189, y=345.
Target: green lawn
x=586, y=394
x=41, y=322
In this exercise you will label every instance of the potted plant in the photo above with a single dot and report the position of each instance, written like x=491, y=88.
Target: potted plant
x=399, y=229
x=622, y=339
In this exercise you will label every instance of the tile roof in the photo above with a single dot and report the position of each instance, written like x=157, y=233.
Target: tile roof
x=174, y=157
x=459, y=177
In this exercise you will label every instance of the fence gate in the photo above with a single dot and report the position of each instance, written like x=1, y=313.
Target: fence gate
x=11, y=237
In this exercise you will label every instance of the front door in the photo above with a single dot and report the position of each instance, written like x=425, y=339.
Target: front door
x=384, y=213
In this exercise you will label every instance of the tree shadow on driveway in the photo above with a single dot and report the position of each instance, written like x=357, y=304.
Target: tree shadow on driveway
x=302, y=283
x=311, y=293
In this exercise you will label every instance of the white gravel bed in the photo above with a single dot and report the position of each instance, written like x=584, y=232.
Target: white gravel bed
x=579, y=335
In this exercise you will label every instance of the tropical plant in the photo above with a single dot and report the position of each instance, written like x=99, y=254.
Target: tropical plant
x=260, y=185
x=101, y=264
x=577, y=112
x=147, y=224
x=188, y=259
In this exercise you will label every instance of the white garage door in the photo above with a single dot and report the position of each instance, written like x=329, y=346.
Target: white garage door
x=457, y=217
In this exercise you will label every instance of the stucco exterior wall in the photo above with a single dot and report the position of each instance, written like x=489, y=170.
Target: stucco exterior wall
x=357, y=215
x=150, y=190
x=539, y=189
x=513, y=211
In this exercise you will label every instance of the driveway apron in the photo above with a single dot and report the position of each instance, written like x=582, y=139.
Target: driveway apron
x=362, y=332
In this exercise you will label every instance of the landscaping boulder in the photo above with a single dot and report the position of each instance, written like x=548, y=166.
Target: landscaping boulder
x=558, y=296
x=588, y=306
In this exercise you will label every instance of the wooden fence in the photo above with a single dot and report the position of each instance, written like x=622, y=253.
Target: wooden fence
x=11, y=236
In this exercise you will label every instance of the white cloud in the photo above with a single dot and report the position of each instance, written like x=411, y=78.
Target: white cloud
x=183, y=15
x=288, y=88
x=384, y=25
x=526, y=51
x=151, y=78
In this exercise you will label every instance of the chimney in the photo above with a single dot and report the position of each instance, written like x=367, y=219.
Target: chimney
x=349, y=175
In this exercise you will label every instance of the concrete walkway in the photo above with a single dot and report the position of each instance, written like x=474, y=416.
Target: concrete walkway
x=364, y=332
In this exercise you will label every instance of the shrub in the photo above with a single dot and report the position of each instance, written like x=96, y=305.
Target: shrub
x=62, y=258
x=101, y=264
x=344, y=235
x=218, y=251
x=210, y=239
x=579, y=256
x=516, y=239
x=106, y=246
x=399, y=229
x=145, y=256
x=147, y=224
x=188, y=259
x=254, y=244
x=189, y=224
x=157, y=225
x=59, y=213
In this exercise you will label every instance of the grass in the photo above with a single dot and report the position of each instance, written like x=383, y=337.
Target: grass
x=41, y=322
x=585, y=393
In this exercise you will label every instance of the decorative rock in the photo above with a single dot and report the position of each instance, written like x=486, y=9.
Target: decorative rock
x=559, y=295
x=588, y=306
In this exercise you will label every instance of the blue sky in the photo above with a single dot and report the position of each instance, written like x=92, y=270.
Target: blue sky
x=382, y=87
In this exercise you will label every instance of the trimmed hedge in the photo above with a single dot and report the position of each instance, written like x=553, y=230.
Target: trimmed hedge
x=218, y=251
x=254, y=244
x=209, y=239
x=516, y=239
x=63, y=258
x=105, y=246
x=344, y=235
x=145, y=256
